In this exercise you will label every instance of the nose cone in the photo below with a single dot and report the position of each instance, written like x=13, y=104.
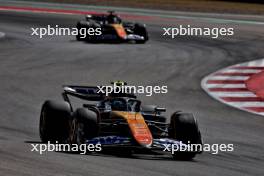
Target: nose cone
x=143, y=137
x=120, y=30
x=139, y=129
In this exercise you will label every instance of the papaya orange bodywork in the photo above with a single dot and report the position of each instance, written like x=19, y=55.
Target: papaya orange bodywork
x=138, y=127
x=120, y=30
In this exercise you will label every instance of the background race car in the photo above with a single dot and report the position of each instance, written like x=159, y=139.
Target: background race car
x=110, y=27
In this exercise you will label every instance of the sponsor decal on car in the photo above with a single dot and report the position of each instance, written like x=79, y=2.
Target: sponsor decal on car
x=109, y=140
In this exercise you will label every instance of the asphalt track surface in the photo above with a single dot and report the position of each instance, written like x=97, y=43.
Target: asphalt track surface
x=33, y=70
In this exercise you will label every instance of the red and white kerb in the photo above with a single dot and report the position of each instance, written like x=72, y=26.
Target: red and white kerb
x=240, y=86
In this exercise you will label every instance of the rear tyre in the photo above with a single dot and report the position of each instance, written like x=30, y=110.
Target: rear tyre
x=54, y=121
x=183, y=127
x=79, y=26
x=78, y=36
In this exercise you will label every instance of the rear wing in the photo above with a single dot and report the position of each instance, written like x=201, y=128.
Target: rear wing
x=89, y=93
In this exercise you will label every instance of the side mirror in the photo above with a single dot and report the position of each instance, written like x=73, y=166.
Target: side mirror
x=158, y=109
x=87, y=17
x=119, y=83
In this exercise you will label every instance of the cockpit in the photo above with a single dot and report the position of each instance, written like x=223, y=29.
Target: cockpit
x=120, y=104
x=113, y=19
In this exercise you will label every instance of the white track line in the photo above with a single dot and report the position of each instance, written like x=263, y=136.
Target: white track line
x=247, y=104
x=228, y=77
x=234, y=94
x=226, y=86
x=241, y=71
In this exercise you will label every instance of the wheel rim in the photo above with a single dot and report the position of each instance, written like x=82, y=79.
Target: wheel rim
x=73, y=131
x=76, y=130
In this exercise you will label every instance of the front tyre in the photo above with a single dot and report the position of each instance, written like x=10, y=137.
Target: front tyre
x=183, y=127
x=141, y=30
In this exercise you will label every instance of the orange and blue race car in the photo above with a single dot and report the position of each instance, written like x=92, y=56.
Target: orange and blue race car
x=117, y=120
x=110, y=27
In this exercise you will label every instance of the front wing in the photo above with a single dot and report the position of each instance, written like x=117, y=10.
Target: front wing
x=161, y=144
